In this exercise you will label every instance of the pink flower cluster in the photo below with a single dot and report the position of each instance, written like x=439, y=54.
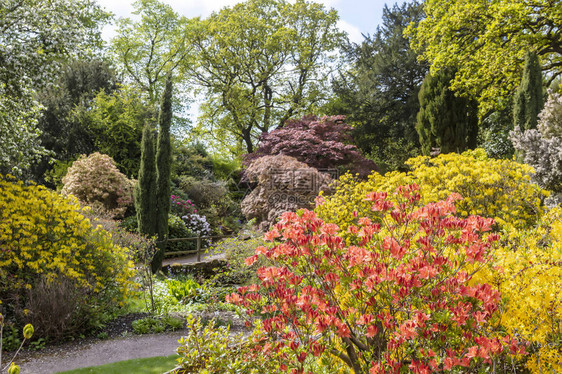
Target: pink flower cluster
x=182, y=206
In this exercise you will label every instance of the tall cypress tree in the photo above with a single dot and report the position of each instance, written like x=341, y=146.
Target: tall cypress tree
x=163, y=165
x=145, y=189
x=445, y=121
x=529, y=98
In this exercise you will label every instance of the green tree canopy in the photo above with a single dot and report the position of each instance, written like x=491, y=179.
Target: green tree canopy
x=379, y=93
x=148, y=49
x=445, y=121
x=486, y=41
x=117, y=122
x=163, y=171
x=37, y=36
x=529, y=98
x=259, y=63
x=36, y=39
x=62, y=124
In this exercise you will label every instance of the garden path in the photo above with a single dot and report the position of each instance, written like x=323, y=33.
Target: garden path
x=95, y=352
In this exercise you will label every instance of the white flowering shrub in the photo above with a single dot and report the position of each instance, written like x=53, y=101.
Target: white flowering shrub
x=542, y=147
x=198, y=225
x=550, y=118
x=96, y=181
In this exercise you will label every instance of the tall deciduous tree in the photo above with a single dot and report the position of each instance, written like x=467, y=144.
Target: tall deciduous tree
x=117, y=122
x=20, y=143
x=379, y=93
x=36, y=37
x=445, y=121
x=145, y=189
x=487, y=42
x=147, y=50
x=529, y=99
x=261, y=62
x=163, y=168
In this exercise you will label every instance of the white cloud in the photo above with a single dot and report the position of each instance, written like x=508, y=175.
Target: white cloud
x=353, y=32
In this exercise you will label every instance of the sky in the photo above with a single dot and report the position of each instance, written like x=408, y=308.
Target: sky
x=356, y=16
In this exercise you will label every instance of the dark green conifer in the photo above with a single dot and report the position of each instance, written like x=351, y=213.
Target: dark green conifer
x=445, y=121
x=145, y=189
x=529, y=98
x=163, y=166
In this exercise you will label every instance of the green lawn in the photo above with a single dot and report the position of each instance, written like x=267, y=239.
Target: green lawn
x=152, y=365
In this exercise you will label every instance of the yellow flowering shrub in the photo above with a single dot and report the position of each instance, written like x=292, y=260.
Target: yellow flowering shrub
x=527, y=265
x=527, y=270
x=499, y=189
x=44, y=238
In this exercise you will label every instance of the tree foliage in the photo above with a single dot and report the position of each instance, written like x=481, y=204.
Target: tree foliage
x=65, y=125
x=528, y=101
x=116, y=121
x=322, y=143
x=379, y=93
x=163, y=169
x=445, y=121
x=145, y=189
x=20, y=142
x=36, y=38
x=486, y=41
x=261, y=62
x=147, y=50
x=542, y=147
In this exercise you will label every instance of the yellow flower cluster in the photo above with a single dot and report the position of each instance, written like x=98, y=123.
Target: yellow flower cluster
x=42, y=234
x=527, y=270
x=499, y=189
x=527, y=265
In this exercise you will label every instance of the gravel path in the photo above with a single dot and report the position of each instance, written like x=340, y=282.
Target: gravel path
x=73, y=356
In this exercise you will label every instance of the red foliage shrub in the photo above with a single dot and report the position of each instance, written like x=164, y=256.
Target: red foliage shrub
x=397, y=296
x=322, y=143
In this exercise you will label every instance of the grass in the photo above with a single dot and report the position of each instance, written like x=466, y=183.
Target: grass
x=151, y=365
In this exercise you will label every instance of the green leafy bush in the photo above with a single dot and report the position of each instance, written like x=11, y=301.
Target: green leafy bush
x=211, y=349
x=182, y=290
x=178, y=229
x=236, y=250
